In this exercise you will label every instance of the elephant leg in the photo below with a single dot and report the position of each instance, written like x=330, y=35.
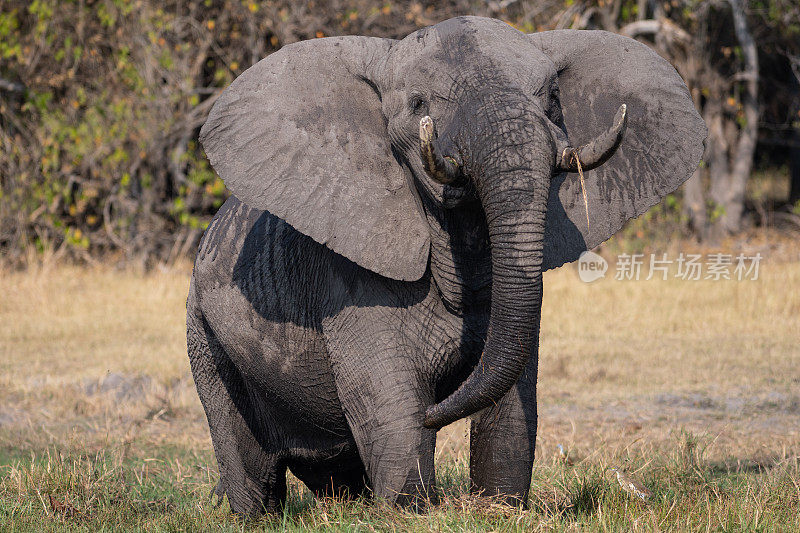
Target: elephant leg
x=384, y=405
x=502, y=442
x=252, y=471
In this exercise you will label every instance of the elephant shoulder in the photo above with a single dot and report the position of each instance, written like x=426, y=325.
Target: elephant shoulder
x=281, y=272
x=226, y=231
x=258, y=255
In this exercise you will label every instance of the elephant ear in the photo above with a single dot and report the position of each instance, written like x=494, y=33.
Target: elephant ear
x=301, y=135
x=597, y=72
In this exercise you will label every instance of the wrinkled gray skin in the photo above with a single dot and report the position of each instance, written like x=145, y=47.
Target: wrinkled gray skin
x=344, y=305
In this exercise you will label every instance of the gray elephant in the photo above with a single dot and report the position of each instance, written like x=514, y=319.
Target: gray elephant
x=377, y=273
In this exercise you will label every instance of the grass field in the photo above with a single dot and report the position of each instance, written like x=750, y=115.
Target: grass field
x=692, y=387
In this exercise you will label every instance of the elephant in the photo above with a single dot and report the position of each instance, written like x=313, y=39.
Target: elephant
x=376, y=273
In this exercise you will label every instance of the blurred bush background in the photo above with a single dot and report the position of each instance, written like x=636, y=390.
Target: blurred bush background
x=101, y=102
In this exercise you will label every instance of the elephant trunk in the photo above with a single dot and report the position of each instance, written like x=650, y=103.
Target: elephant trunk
x=514, y=198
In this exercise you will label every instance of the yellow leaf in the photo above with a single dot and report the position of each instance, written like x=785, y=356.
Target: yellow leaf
x=211, y=24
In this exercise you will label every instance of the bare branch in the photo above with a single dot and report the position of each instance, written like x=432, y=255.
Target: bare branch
x=650, y=26
x=11, y=86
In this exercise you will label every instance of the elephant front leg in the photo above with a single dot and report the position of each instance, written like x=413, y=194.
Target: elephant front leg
x=502, y=442
x=384, y=406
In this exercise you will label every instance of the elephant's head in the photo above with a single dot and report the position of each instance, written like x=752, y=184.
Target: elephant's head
x=349, y=138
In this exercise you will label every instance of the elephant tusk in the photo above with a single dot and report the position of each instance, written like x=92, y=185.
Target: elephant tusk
x=599, y=150
x=442, y=169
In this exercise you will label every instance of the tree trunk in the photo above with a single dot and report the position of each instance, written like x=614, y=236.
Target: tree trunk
x=794, y=188
x=694, y=201
x=694, y=204
x=641, y=9
x=717, y=149
x=794, y=138
x=728, y=193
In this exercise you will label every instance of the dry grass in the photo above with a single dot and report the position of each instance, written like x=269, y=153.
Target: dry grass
x=691, y=385
x=648, y=357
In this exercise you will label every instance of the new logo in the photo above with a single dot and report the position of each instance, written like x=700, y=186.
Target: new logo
x=591, y=267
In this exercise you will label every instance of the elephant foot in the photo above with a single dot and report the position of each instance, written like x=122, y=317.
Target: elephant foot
x=417, y=498
x=251, y=498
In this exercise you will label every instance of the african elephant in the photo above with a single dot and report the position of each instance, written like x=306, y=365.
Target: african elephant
x=377, y=273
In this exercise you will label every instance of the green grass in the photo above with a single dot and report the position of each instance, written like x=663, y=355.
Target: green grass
x=109, y=491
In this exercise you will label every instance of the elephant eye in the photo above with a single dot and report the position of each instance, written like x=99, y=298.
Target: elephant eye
x=554, y=105
x=418, y=105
